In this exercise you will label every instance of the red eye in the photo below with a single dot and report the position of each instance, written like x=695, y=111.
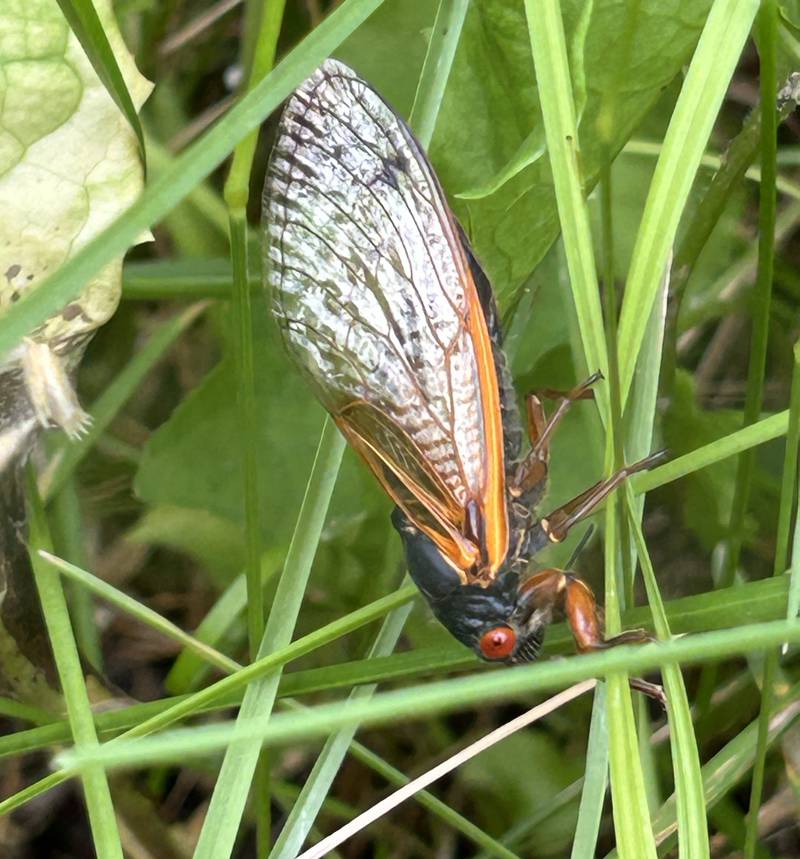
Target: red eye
x=498, y=642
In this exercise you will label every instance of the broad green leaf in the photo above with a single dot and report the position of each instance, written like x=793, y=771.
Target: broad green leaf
x=400, y=26
x=215, y=542
x=69, y=159
x=178, y=469
x=488, y=147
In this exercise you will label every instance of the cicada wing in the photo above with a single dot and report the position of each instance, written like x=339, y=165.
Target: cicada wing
x=374, y=295
x=408, y=479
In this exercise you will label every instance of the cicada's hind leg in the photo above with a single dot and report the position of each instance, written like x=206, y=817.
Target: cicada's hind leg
x=532, y=471
x=558, y=524
x=556, y=592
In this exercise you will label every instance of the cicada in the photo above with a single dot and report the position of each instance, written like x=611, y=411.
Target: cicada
x=384, y=307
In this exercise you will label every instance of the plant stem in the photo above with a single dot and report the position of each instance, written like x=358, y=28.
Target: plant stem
x=762, y=296
x=258, y=55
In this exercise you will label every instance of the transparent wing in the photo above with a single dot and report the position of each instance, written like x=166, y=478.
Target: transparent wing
x=374, y=296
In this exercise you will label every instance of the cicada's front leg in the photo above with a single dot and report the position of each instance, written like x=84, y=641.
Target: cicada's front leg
x=532, y=471
x=557, y=593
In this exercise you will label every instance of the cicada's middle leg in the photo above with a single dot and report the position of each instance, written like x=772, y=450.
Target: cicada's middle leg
x=532, y=471
x=558, y=524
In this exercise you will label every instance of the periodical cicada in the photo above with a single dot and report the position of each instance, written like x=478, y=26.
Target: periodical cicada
x=385, y=309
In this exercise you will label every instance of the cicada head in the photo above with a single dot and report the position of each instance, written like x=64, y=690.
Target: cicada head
x=497, y=621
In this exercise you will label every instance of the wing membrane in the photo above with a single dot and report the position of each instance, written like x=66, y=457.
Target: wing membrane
x=375, y=299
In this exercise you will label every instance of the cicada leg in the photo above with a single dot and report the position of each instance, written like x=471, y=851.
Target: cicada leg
x=533, y=469
x=557, y=525
x=580, y=608
x=556, y=592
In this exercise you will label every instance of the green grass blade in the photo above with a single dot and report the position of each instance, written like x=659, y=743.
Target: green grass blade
x=436, y=68
x=595, y=782
x=25, y=712
x=760, y=304
x=641, y=411
x=691, y=809
x=762, y=297
x=242, y=338
x=108, y=404
x=319, y=781
x=418, y=702
x=86, y=25
x=67, y=529
x=258, y=57
x=629, y=799
x=710, y=71
x=185, y=172
x=558, y=112
x=181, y=279
x=789, y=474
x=548, y=45
x=140, y=612
x=31, y=792
x=76, y=697
x=233, y=785
x=758, y=433
x=768, y=32
x=793, y=598
x=188, y=670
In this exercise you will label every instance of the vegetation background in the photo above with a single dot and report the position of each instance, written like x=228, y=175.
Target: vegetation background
x=190, y=476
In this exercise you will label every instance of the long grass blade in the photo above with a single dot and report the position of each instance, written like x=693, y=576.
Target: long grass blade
x=85, y=23
x=457, y=760
x=558, y=112
x=76, y=697
x=760, y=310
x=595, y=782
x=721, y=42
x=768, y=47
x=319, y=781
x=691, y=808
x=418, y=702
x=139, y=611
x=233, y=784
x=258, y=57
x=763, y=431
